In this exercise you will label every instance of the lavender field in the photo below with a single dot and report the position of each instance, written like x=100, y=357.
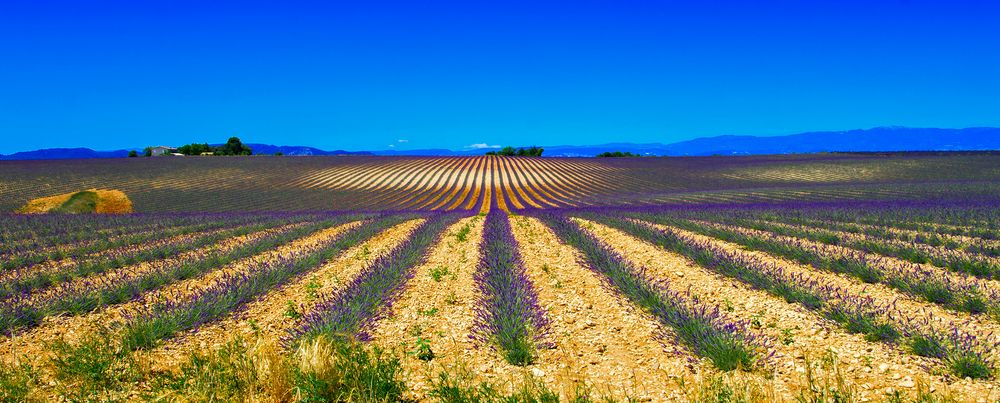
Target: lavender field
x=828, y=277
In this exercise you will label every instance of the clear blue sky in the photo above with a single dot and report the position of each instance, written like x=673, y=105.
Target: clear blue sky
x=369, y=75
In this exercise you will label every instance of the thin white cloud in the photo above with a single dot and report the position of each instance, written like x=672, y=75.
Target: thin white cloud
x=478, y=146
x=402, y=141
x=392, y=146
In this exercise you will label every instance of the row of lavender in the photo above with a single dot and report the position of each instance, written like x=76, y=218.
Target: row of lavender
x=171, y=314
x=114, y=286
x=704, y=330
x=83, y=236
x=27, y=280
x=972, y=256
x=507, y=312
x=964, y=294
x=348, y=313
x=963, y=353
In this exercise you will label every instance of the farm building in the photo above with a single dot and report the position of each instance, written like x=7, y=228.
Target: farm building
x=161, y=150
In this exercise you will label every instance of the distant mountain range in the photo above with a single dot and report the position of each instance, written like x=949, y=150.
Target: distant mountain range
x=862, y=140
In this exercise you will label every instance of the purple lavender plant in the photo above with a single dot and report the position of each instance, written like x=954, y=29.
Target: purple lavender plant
x=507, y=312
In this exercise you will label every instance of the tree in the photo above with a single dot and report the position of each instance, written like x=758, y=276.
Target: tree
x=195, y=149
x=132, y=154
x=278, y=154
x=148, y=151
x=234, y=147
x=509, y=151
x=616, y=154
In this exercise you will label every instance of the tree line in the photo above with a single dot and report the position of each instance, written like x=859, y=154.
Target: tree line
x=234, y=146
x=518, y=152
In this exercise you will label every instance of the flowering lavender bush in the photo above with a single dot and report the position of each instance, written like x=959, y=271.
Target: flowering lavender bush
x=507, y=312
x=348, y=312
x=31, y=281
x=704, y=330
x=856, y=313
x=232, y=291
x=968, y=295
x=27, y=310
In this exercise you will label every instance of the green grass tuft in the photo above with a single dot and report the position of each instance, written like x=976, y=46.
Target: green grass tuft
x=80, y=202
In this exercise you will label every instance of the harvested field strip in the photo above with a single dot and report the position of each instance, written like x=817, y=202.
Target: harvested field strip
x=857, y=312
x=934, y=285
x=465, y=187
x=269, y=317
x=805, y=338
x=443, y=180
x=471, y=190
x=456, y=182
x=179, y=312
x=599, y=340
x=348, y=312
x=433, y=182
x=86, y=297
x=406, y=185
x=704, y=330
x=26, y=284
x=541, y=180
x=518, y=187
x=434, y=309
x=558, y=178
x=507, y=314
x=499, y=192
x=440, y=183
x=524, y=181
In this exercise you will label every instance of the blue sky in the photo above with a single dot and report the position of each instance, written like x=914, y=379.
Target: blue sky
x=373, y=75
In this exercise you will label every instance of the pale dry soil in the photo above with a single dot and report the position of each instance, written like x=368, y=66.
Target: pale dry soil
x=437, y=310
x=32, y=343
x=136, y=270
x=900, y=363
x=268, y=318
x=835, y=250
x=799, y=337
x=981, y=325
x=598, y=338
x=52, y=266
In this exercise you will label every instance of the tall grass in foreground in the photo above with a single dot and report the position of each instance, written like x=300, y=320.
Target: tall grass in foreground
x=507, y=312
x=704, y=330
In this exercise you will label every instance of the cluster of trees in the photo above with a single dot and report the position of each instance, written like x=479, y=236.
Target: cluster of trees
x=518, y=152
x=616, y=154
x=232, y=147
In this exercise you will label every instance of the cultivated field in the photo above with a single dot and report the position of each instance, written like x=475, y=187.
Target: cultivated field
x=793, y=278
x=467, y=183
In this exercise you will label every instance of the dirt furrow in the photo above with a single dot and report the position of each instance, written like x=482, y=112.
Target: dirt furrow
x=799, y=334
x=270, y=316
x=598, y=339
x=32, y=343
x=437, y=307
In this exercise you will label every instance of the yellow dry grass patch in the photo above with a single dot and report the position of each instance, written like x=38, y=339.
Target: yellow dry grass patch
x=108, y=201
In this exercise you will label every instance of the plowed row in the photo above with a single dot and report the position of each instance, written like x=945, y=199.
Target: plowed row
x=599, y=342
x=370, y=183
